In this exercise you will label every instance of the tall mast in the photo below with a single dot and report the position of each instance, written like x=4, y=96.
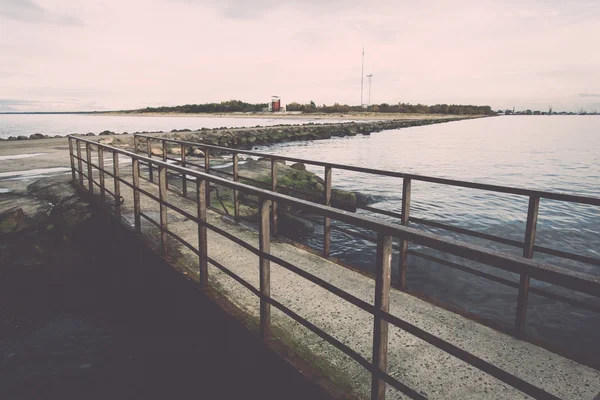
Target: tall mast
x=362, y=69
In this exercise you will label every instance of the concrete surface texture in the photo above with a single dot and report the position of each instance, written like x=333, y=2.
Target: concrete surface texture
x=417, y=364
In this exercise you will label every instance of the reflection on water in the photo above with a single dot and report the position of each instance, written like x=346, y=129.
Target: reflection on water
x=556, y=153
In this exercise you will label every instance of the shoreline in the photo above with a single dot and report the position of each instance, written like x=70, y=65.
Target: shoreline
x=368, y=116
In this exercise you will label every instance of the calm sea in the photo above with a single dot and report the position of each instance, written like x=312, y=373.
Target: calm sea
x=557, y=153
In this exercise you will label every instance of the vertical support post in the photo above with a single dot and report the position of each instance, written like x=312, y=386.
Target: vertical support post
x=149, y=149
x=327, y=220
x=207, y=170
x=183, y=175
x=405, y=217
x=117, y=187
x=383, y=278
x=88, y=152
x=274, y=223
x=529, y=243
x=136, y=194
x=162, y=195
x=135, y=144
x=264, y=245
x=101, y=173
x=79, y=162
x=202, y=236
x=236, y=178
x=164, y=158
x=71, y=156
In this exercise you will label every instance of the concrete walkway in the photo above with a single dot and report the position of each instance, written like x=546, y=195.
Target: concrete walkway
x=419, y=365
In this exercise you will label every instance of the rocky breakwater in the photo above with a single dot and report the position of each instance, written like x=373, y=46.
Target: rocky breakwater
x=246, y=138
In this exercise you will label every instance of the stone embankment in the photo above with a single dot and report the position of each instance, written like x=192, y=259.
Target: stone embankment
x=247, y=137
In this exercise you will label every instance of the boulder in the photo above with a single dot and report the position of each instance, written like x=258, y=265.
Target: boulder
x=157, y=151
x=175, y=150
x=36, y=136
x=299, y=166
x=11, y=138
x=105, y=133
x=107, y=140
x=294, y=227
x=90, y=134
x=12, y=220
x=343, y=199
x=198, y=153
x=57, y=136
x=21, y=137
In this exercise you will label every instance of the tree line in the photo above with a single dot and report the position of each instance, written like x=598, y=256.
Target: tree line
x=401, y=108
x=311, y=107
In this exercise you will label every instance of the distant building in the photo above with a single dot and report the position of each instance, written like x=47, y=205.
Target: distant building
x=276, y=105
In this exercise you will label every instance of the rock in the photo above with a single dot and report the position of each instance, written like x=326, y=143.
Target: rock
x=294, y=227
x=198, y=153
x=343, y=199
x=12, y=220
x=157, y=151
x=175, y=150
x=90, y=134
x=57, y=136
x=299, y=166
x=36, y=136
x=364, y=199
x=11, y=138
x=104, y=133
x=107, y=140
x=21, y=137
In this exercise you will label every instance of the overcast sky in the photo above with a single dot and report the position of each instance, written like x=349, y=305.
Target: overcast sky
x=109, y=54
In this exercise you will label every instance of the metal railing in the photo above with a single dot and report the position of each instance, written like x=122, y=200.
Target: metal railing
x=528, y=245
x=385, y=233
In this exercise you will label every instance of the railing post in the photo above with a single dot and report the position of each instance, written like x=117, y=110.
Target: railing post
x=117, y=185
x=406, y=189
x=71, y=156
x=274, y=223
x=236, y=178
x=327, y=220
x=135, y=144
x=202, y=236
x=383, y=277
x=264, y=244
x=88, y=152
x=149, y=149
x=162, y=195
x=164, y=158
x=183, y=175
x=529, y=243
x=79, y=162
x=136, y=194
x=207, y=170
x=101, y=173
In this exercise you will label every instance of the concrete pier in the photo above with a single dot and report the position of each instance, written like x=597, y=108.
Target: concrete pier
x=430, y=371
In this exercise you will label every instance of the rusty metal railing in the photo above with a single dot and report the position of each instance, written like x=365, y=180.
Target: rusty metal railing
x=528, y=245
x=385, y=232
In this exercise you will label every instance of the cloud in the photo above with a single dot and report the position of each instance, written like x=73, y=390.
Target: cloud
x=589, y=94
x=251, y=9
x=29, y=11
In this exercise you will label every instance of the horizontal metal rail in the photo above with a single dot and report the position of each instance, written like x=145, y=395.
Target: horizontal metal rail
x=385, y=231
x=415, y=177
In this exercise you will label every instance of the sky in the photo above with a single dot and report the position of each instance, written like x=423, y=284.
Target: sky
x=59, y=55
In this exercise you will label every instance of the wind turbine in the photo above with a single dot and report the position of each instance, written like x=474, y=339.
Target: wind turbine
x=370, y=76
